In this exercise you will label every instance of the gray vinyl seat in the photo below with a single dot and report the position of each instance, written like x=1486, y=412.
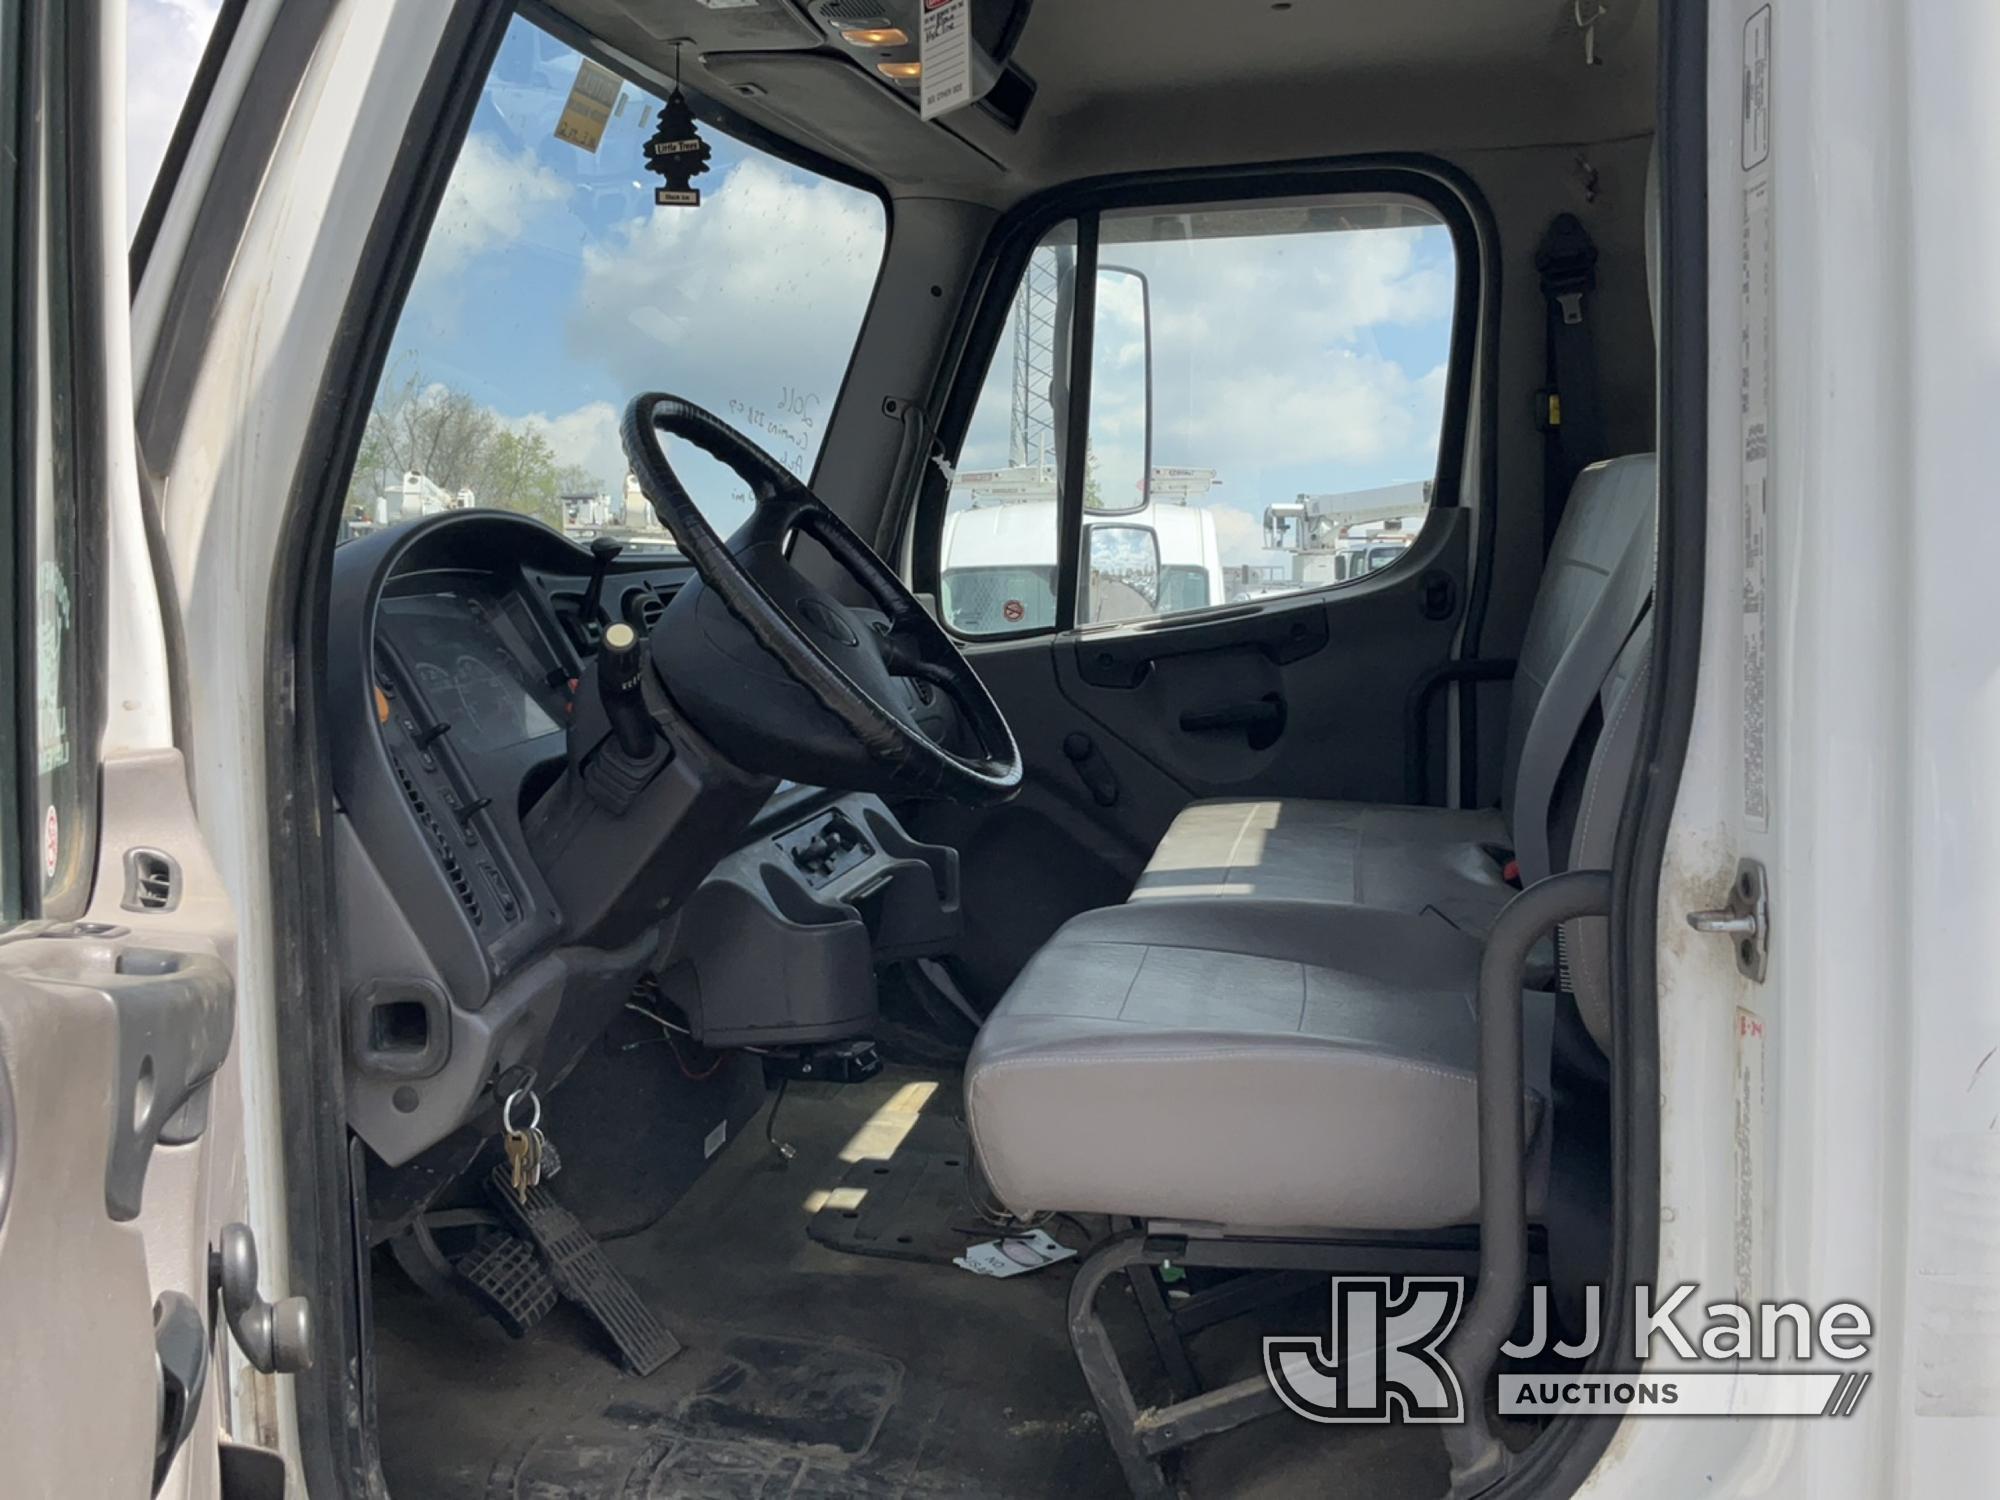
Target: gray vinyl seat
x=1247, y=1065
x=1260, y=1064
x=1450, y=860
x=1278, y=1032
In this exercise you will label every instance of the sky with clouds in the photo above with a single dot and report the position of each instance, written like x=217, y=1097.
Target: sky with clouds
x=1308, y=361
x=552, y=290
x=163, y=44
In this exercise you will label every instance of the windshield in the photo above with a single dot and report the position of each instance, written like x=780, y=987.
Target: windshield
x=552, y=290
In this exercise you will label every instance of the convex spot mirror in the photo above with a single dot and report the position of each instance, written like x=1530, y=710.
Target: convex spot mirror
x=1123, y=579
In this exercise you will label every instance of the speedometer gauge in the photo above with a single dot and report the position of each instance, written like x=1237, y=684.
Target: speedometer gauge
x=488, y=700
x=440, y=691
x=475, y=667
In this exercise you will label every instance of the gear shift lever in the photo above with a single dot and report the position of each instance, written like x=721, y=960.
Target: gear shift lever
x=621, y=659
x=602, y=550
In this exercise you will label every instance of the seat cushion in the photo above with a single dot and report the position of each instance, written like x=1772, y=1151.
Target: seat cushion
x=1404, y=859
x=1247, y=1063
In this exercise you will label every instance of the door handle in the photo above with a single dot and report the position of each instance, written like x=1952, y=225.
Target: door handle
x=1234, y=716
x=1260, y=721
x=180, y=1340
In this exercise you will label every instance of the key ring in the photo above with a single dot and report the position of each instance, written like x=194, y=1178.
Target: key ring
x=507, y=1111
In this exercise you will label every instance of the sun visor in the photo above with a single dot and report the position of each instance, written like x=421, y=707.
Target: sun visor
x=828, y=101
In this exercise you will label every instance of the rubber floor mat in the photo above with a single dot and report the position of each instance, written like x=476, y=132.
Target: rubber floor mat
x=768, y=1417
x=912, y=1206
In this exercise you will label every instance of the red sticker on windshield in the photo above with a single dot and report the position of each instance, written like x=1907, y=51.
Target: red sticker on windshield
x=1014, y=609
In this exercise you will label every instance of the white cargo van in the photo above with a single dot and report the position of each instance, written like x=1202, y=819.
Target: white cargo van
x=998, y=563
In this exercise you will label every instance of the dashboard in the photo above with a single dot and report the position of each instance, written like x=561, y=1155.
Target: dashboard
x=494, y=913
x=480, y=662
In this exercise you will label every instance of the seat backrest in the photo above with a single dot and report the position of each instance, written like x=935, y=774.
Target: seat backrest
x=1595, y=585
x=1586, y=945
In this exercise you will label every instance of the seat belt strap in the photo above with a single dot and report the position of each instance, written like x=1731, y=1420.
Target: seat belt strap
x=1567, y=407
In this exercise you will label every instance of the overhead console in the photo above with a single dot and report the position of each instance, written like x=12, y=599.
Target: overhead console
x=841, y=76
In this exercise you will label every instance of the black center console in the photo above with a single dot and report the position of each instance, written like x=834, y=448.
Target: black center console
x=779, y=945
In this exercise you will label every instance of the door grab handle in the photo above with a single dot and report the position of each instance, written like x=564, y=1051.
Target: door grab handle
x=1234, y=716
x=276, y=1337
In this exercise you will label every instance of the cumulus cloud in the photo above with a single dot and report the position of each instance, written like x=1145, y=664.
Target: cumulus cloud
x=1239, y=536
x=164, y=40
x=586, y=437
x=1269, y=354
x=748, y=306
x=494, y=196
x=1287, y=363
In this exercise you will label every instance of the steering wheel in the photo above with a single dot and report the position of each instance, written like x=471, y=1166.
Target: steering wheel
x=780, y=676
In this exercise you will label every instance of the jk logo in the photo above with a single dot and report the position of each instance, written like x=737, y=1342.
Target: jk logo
x=1379, y=1360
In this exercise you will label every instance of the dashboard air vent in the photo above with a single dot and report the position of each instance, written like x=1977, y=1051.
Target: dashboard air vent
x=649, y=606
x=152, y=881
x=454, y=872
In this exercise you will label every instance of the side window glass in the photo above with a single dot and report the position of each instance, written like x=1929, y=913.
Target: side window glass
x=1292, y=359
x=997, y=563
x=49, y=831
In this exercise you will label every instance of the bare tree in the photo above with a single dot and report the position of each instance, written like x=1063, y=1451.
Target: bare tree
x=421, y=427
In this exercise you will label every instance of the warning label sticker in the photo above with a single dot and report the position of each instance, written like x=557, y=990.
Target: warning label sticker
x=944, y=44
x=1757, y=89
x=1754, y=294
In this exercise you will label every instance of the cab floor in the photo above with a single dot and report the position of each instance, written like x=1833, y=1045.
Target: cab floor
x=808, y=1372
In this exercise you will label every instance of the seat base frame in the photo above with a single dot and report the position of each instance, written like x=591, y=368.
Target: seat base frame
x=1280, y=1268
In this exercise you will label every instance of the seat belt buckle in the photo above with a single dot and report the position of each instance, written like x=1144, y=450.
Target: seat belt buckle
x=1571, y=304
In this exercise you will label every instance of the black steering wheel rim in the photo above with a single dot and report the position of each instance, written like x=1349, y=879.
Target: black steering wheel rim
x=915, y=646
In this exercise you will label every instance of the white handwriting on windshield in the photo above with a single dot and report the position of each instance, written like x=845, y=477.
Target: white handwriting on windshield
x=791, y=424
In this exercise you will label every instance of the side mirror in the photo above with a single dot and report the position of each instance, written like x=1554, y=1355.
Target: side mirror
x=1123, y=580
x=1118, y=469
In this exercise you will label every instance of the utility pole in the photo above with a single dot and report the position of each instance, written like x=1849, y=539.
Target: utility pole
x=1032, y=437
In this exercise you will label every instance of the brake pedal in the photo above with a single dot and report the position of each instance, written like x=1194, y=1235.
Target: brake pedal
x=581, y=1272
x=507, y=1278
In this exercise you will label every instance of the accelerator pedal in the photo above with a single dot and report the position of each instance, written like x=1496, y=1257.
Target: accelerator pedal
x=582, y=1273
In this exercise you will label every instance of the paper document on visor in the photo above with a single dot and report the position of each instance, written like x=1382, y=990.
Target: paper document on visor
x=944, y=45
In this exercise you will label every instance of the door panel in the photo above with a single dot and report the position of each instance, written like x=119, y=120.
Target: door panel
x=120, y=1140
x=1299, y=699
x=1109, y=766
x=1203, y=512
x=109, y=1044
x=75, y=1293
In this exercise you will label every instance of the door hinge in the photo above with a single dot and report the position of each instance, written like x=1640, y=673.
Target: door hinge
x=1745, y=920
